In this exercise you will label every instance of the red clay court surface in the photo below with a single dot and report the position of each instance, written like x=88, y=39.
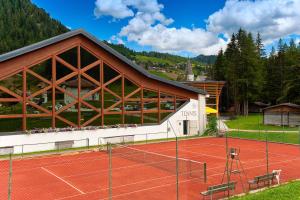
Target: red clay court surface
x=84, y=176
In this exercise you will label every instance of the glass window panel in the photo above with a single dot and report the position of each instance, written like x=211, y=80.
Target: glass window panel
x=129, y=87
x=88, y=115
x=112, y=119
x=43, y=69
x=34, y=84
x=94, y=73
x=180, y=102
x=150, y=94
x=70, y=56
x=151, y=105
x=10, y=108
x=150, y=118
x=132, y=105
x=86, y=57
x=110, y=100
x=14, y=83
x=62, y=71
x=71, y=86
x=116, y=87
x=109, y=73
x=71, y=114
x=132, y=118
x=44, y=100
x=39, y=122
x=10, y=125
x=164, y=116
x=166, y=102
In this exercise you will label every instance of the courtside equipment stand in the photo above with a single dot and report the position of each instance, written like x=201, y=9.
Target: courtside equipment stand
x=235, y=166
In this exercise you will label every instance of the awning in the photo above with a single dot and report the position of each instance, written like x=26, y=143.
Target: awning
x=210, y=110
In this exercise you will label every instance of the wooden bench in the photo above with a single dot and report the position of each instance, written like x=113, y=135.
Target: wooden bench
x=262, y=179
x=218, y=188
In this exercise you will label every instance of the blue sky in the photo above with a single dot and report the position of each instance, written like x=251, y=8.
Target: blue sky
x=188, y=28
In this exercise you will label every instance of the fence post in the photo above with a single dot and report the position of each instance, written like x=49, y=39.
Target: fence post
x=88, y=143
x=22, y=150
x=10, y=177
x=109, y=171
x=177, y=171
x=204, y=173
x=227, y=163
x=267, y=153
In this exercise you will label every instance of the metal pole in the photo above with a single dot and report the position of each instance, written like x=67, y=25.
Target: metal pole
x=205, y=174
x=10, y=177
x=267, y=153
x=259, y=133
x=227, y=164
x=109, y=171
x=219, y=124
x=22, y=150
x=177, y=172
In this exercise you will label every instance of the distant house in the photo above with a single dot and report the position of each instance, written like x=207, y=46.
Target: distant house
x=257, y=107
x=287, y=114
x=86, y=86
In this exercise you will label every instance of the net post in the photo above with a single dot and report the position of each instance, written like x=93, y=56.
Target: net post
x=204, y=172
x=10, y=177
x=177, y=171
x=267, y=156
x=109, y=171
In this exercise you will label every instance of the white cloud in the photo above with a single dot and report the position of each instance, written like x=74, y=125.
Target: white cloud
x=149, y=26
x=165, y=39
x=120, y=9
x=115, y=8
x=272, y=18
x=116, y=40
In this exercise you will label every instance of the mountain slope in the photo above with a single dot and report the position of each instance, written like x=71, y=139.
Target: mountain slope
x=22, y=23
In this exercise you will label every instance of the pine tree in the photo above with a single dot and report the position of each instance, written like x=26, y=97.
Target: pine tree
x=219, y=67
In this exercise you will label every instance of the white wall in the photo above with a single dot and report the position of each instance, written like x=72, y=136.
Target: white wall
x=194, y=111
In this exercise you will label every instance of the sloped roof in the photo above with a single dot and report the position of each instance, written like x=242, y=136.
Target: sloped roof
x=84, y=83
x=56, y=39
x=284, y=104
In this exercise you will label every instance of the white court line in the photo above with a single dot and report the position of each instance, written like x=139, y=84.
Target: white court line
x=66, y=182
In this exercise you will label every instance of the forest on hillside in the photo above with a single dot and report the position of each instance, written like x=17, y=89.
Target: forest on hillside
x=22, y=23
x=252, y=75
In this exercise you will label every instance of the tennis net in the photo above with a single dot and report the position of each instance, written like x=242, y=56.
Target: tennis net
x=186, y=167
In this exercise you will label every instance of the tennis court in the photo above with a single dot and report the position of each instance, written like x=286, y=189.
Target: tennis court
x=145, y=171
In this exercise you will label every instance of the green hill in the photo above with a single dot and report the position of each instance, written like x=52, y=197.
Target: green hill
x=22, y=23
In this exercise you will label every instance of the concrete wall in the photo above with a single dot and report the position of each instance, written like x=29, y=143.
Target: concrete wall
x=194, y=112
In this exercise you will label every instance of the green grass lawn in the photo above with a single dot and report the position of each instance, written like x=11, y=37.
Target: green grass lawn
x=254, y=122
x=293, y=138
x=160, y=74
x=290, y=191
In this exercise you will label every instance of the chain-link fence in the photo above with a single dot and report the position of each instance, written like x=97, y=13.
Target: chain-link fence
x=258, y=154
x=151, y=171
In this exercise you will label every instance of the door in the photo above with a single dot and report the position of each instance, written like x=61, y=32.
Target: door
x=185, y=127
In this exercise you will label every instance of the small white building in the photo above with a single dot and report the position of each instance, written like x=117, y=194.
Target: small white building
x=86, y=86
